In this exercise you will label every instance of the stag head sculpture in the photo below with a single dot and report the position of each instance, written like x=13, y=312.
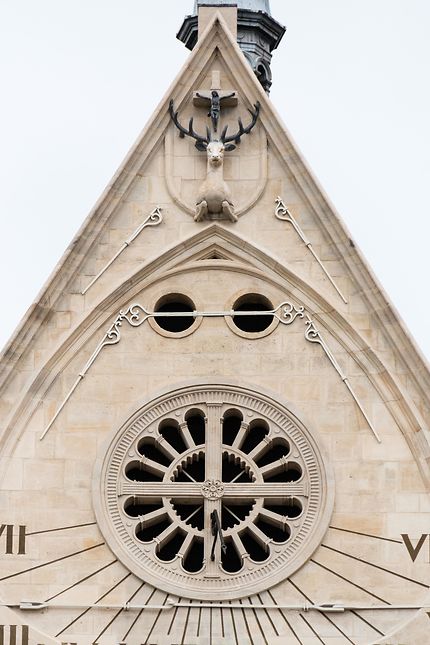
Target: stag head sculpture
x=214, y=196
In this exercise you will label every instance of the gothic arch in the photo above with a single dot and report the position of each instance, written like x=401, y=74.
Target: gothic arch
x=249, y=260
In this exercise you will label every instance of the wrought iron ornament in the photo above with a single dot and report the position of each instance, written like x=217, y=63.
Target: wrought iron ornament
x=136, y=315
x=323, y=608
x=154, y=219
x=217, y=533
x=282, y=213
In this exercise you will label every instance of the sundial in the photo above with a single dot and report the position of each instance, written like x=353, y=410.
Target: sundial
x=213, y=424
x=190, y=499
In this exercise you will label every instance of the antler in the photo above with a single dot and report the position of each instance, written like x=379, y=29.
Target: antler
x=242, y=130
x=190, y=132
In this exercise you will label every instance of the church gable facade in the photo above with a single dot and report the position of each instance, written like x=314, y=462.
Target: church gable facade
x=214, y=426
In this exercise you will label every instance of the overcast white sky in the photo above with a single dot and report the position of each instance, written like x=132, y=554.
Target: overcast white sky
x=351, y=81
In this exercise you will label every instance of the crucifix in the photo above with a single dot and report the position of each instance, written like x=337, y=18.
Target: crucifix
x=217, y=533
x=215, y=99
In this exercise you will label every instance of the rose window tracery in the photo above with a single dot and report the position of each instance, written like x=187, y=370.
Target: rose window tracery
x=213, y=449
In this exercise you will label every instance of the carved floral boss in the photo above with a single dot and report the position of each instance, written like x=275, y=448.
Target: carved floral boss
x=214, y=196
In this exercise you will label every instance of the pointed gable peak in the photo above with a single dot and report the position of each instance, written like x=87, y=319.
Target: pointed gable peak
x=257, y=32
x=252, y=5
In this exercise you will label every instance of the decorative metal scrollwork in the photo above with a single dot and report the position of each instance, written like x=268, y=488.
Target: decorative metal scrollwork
x=282, y=213
x=286, y=312
x=154, y=219
x=290, y=313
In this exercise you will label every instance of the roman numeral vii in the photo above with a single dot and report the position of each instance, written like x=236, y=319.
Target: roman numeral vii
x=14, y=539
x=14, y=634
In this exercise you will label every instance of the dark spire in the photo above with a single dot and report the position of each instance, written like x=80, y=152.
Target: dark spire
x=258, y=34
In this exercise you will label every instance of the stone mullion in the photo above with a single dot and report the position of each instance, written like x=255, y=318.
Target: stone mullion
x=186, y=435
x=240, y=548
x=261, y=537
x=165, y=535
x=186, y=545
x=261, y=447
x=161, y=489
x=167, y=448
x=281, y=521
x=153, y=466
x=240, y=437
x=277, y=466
x=276, y=491
x=152, y=518
x=213, y=473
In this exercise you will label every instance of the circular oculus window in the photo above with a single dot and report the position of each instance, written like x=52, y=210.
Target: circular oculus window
x=178, y=320
x=199, y=450
x=249, y=319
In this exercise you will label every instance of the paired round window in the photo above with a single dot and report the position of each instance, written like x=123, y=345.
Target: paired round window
x=180, y=318
x=206, y=449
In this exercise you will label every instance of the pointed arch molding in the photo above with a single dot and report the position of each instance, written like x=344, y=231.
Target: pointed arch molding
x=181, y=259
x=286, y=313
x=215, y=38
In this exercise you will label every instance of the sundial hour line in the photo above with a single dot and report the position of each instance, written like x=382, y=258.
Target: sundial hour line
x=89, y=607
x=61, y=528
x=376, y=566
x=354, y=584
x=124, y=608
x=309, y=625
x=375, y=537
x=45, y=564
x=135, y=620
x=307, y=598
x=78, y=582
x=367, y=622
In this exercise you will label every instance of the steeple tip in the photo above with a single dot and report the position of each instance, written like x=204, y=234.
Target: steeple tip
x=251, y=5
x=258, y=33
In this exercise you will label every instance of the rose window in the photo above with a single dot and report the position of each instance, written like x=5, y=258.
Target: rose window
x=207, y=452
